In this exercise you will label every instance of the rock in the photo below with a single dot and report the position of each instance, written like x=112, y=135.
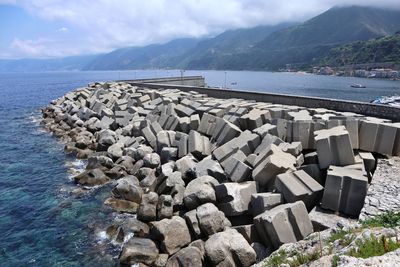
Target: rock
x=115, y=150
x=128, y=188
x=164, y=207
x=151, y=160
x=106, y=138
x=261, y=202
x=186, y=166
x=173, y=179
x=161, y=260
x=91, y=178
x=121, y=205
x=198, y=145
x=173, y=234
x=229, y=248
x=248, y=231
x=234, y=198
x=139, y=250
x=261, y=251
x=134, y=226
x=210, y=167
x=200, y=191
x=99, y=161
x=189, y=256
x=285, y=223
x=345, y=190
x=210, y=219
x=148, y=207
x=334, y=147
x=299, y=185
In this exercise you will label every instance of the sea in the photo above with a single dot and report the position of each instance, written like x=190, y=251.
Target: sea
x=42, y=221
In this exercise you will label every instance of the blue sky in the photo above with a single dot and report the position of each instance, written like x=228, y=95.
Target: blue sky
x=58, y=28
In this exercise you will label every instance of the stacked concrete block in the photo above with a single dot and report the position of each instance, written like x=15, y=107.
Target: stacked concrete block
x=352, y=126
x=293, y=148
x=185, y=108
x=254, y=118
x=287, y=223
x=261, y=202
x=270, y=163
x=369, y=161
x=266, y=142
x=334, y=147
x=224, y=132
x=198, y=145
x=378, y=137
x=303, y=131
x=207, y=124
x=234, y=198
x=345, y=190
x=149, y=131
x=302, y=115
x=236, y=169
x=297, y=186
x=265, y=129
x=234, y=115
x=396, y=147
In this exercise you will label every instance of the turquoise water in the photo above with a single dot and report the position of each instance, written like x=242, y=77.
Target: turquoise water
x=41, y=222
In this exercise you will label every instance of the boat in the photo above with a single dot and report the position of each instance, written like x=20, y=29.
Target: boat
x=357, y=85
x=393, y=101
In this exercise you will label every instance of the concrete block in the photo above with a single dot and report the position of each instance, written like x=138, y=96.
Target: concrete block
x=234, y=198
x=237, y=170
x=345, y=190
x=293, y=148
x=378, y=137
x=266, y=143
x=194, y=122
x=168, y=154
x=287, y=223
x=265, y=129
x=210, y=167
x=315, y=172
x=369, y=161
x=207, y=124
x=183, y=149
x=198, y=145
x=270, y=163
x=311, y=158
x=334, y=147
x=297, y=186
x=224, y=132
x=352, y=126
x=254, y=119
x=261, y=202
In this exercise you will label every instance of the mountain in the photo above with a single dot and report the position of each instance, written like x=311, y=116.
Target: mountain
x=53, y=64
x=313, y=39
x=151, y=56
x=212, y=52
x=378, y=50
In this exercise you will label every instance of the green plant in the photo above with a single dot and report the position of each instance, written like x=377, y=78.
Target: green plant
x=389, y=219
x=335, y=261
x=277, y=259
x=345, y=237
x=373, y=246
x=300, y=258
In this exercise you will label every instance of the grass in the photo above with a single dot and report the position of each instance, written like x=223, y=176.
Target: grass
x=389, y=220
x=335, y=261
x=298, y=259
x=373, y=246
x=344, y=237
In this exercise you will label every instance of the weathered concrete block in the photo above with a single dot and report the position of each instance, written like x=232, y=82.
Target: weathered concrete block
x=345, y=190
x=334, y=147
x=352, y=126
x=224, y=132
x=287, y=223
x=234, y=198
x=236, y=170
x=271, y=162
x=198, y=145
x=266, y=143
x=207, y=124
x=378, y=137
x=199, y=191
x=299, y=185
x=293, y=148
x=254, y=119
x=261, y=202
x=267, y=128
x=164, y=207
x=148, y=207
x=209, y=167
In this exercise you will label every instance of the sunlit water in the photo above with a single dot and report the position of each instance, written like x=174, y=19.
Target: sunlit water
x=41, y=222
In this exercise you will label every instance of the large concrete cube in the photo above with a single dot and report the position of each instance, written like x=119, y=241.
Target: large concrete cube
x=378, y=137
x=345, y=190
x=299, y=185
x=287, y=223
x=334, y=147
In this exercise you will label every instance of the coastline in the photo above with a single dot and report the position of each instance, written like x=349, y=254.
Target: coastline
x=130, y=145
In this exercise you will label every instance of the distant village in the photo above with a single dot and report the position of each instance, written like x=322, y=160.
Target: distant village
x=381, y=73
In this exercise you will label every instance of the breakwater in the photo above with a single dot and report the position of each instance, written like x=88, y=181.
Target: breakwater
x=215, y=181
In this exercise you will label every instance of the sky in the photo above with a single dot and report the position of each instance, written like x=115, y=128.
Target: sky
x=59, y=28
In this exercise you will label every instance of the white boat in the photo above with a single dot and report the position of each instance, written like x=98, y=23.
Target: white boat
x=357, y=85
x=393, y=101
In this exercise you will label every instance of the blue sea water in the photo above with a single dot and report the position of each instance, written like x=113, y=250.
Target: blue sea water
x=41, y=222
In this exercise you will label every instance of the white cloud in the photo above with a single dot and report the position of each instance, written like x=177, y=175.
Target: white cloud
x=104, y=25
x=62, y=29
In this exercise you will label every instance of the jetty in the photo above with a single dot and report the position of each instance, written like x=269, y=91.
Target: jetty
x=217, y=177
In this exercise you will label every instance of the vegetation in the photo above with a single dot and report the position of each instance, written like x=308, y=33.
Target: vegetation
x=335, y=261
x=373, y=246
x=389, y=220
x=344, y=237
x=296, y=260
x=378, y=50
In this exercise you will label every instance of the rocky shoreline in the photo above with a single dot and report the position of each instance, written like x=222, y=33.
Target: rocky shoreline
x=201, y=181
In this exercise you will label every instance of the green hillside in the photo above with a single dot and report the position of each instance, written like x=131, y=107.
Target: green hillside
x=378, y=50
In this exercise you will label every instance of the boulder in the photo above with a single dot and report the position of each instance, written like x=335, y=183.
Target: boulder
x=151, y=160
x=234, y=198
x=189, y=256
x=128, y=188
x=229, y=248
x=148, y=207
x=139, y=250
x=91, y=177
x=173, y=234
x=211, y=220
x=106, y=138
x=209, y=167
x=122, y=205
x=200, y=191
x=164, y=207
